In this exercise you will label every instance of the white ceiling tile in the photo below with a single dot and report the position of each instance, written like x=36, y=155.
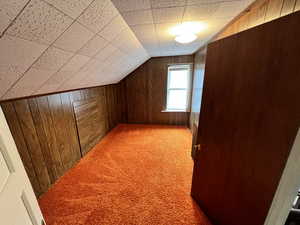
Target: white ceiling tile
x=228, y=9
x=162, y=31
x=72, y=8
x=93, y=46
x=214, y=24
x=75, y=63
x=8, y=11
x=39, y=22
x=115, y=56
x=52, y=59
x=131, y=5
x=152, y=49
x=105, y=52
x=74, y=38
x=168, y=15
x=102, y=59
x=17, y=56
x=76, y=79
x=9, y=75
x=197, y=2
x=126, y=41
x=98, y=14
x=19, y=52
x=200, y=12
x=147, y=36
x=145, y=32
x=167, y=45
x=114, y=28
x=29, y=83
x=138, y=17
x=53, y=83
x=167, y=3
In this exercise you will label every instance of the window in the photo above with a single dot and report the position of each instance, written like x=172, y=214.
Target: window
x=178, y=89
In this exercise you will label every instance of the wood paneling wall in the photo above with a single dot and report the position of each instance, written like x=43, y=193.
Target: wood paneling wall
x=249, y=119
x=146, y=92
x=260, y=12
x=45, y=130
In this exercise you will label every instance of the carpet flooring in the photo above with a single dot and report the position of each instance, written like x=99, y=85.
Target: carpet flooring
x=136, y=175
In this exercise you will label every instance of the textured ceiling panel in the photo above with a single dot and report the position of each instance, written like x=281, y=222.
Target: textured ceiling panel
x=54, y=45
x=93, y=46
x=39, y=22
x=132, y=5
x=98, y=14
x=29, y=82
x=200, y=12
x=114, y=28
x=168, y=15
x=72, y=8
x=138, y=17
x=74, y=38
x=16, y=57
x=167, y=3
x=8, y=11
x=52, y=59
x=151, y=20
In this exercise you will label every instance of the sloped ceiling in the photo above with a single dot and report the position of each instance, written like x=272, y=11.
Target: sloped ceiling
x=54, y=45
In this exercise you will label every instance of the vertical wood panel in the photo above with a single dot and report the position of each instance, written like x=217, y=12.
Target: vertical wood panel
x=288, y=7
x=258, y=15
x=274, y=9
x=33, y=144
x=146, y=92
x=57, y=114
x=297, y=6
x=45, y=129
x=42, y=140
x=261, y=11
x=137, y=92
x=17, y=132
x=249, y=115
x=73, y=149
x=47, y=123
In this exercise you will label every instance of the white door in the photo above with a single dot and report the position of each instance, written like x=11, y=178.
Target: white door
x=18, y=204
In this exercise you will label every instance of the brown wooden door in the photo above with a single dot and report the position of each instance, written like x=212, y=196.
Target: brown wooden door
x=198, y=75
x=249, y=117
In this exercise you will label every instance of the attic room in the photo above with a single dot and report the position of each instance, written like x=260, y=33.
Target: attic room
x=143, y=112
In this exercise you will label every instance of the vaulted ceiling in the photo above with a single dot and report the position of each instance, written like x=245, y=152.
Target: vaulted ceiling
x=55, y=45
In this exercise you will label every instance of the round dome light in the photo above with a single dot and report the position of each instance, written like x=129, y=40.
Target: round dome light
x=186, y=38
x=187, y=27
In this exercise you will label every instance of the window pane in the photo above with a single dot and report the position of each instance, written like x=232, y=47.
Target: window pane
x=178, y=78
x=177, y=99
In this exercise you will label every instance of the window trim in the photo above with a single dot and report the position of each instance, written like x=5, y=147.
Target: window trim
x=184, y=66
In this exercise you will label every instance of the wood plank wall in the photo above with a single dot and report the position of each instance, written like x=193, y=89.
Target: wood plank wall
x=260, y=12
x=146, y=93
x=44, y=129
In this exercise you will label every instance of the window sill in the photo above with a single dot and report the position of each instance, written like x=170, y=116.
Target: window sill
x=174, y=110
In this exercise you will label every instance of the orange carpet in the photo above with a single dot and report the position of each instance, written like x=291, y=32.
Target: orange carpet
x=137, y=174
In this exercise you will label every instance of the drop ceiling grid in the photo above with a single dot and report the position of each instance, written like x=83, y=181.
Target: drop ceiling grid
x=71, y=44
x=20, y=82
x=167, y=13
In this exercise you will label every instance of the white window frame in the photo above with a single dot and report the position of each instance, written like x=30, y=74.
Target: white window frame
x=188, y=89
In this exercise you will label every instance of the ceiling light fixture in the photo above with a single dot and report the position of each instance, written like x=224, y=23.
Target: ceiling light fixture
x=186, y=38
x=186, y=32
